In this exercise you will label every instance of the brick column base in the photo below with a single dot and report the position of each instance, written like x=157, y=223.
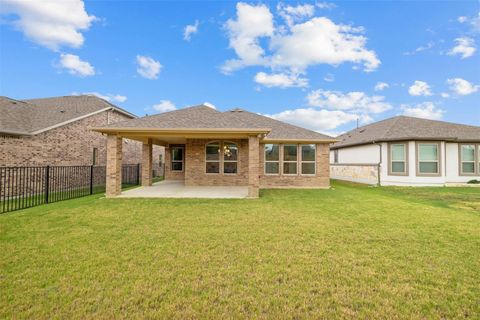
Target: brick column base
x=114, y=166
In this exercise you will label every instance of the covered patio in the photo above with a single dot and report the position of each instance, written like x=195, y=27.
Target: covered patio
x=178, y=189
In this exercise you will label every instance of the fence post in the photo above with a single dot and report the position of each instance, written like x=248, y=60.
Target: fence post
x=47, y=183
x=91, y=179
x=138, y=174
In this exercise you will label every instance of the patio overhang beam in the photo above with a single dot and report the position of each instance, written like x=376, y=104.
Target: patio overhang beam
x=162, y=135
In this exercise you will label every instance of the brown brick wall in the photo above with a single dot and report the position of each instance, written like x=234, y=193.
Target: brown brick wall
x=195, y=165
x=71, y=144
x=194, y=169
x=320, y=180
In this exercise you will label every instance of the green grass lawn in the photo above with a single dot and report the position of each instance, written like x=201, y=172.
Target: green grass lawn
x=349, y=252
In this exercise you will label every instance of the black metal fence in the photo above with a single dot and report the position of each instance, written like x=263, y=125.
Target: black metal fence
x=24, y=187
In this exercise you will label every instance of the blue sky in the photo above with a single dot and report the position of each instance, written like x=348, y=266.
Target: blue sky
x=321, y=65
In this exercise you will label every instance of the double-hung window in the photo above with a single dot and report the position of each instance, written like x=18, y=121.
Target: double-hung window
x=308, y=156
x=428, y=154
x=230, y=158
x=290, y=159
x=177, y=158
x=467, y=159
x=272, y=159
x=212, y=157
x=398, y=159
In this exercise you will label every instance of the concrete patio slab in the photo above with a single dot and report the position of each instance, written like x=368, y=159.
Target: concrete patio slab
x=177, y=189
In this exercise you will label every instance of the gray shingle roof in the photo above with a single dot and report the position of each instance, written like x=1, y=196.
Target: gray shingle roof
x=29, y=116
x=408, y=128
x=204, y=117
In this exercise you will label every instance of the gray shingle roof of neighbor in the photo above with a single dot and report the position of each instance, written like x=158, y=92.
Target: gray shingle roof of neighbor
x=33, y=115
x=408, y=128
x=205, y=117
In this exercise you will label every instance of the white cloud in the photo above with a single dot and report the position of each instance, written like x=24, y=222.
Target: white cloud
x=294, y=46
x=321, y=41
x=329, y=77
x=314, y=119
x=147, y=67
x=75, y=66
x=190, y=30
x=444, y=95
x=381, y=86
x=52, y=24
x=462, y=87
x=426, y=110
x=353, y=101
x=293, y=14
x=280, y=80
x=473, y=22
x=252, y=22
x=419, y=88
x=208, y=104
x=164, y=106
x=428, y=46
x=326, y=5
x=108, y=97
x=465, y=47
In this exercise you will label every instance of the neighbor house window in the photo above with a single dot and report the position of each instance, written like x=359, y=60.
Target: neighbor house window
x=335, y=156
x=467, y=159
x=178, y=153
x=212, y=157
x=95, y=156
x=308, y=155
x=398, y=159
x=272, y=159
x=290, y=158
x=230, y=158
x=428, y=155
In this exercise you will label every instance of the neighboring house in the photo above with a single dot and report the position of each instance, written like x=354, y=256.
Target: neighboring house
x=206, y=147
x=56, y=131
x=408, y=151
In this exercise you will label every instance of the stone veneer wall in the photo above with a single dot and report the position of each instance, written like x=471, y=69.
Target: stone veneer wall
x=320, y=180
x=361, y=173
x=71, y=144
x=194, y=169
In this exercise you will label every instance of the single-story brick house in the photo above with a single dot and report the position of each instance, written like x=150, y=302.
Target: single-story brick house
x=407, y=151
x=206, y=147
x=56, y=131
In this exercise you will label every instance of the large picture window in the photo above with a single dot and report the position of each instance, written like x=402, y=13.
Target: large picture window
x=398, y=159
x=177, y=158
x=467, y=159
x=212, y=157
x=308, y=159
x=290, y=159
x=272, y=159
x=428, y=155
x=230, y=158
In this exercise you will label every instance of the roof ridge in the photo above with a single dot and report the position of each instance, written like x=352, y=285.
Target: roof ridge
x=395, y=120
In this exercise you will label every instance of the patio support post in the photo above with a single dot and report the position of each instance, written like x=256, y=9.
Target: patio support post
x=147, y=163
x=114, y=165
x=253, y=166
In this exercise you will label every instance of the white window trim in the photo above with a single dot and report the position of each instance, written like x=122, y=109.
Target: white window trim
x=220, y=168
x=182, y=161
x=229, y=161
x=309, y=161
x=438, y=161
x=265, y=161
x=475, y=161
x=283, y=160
